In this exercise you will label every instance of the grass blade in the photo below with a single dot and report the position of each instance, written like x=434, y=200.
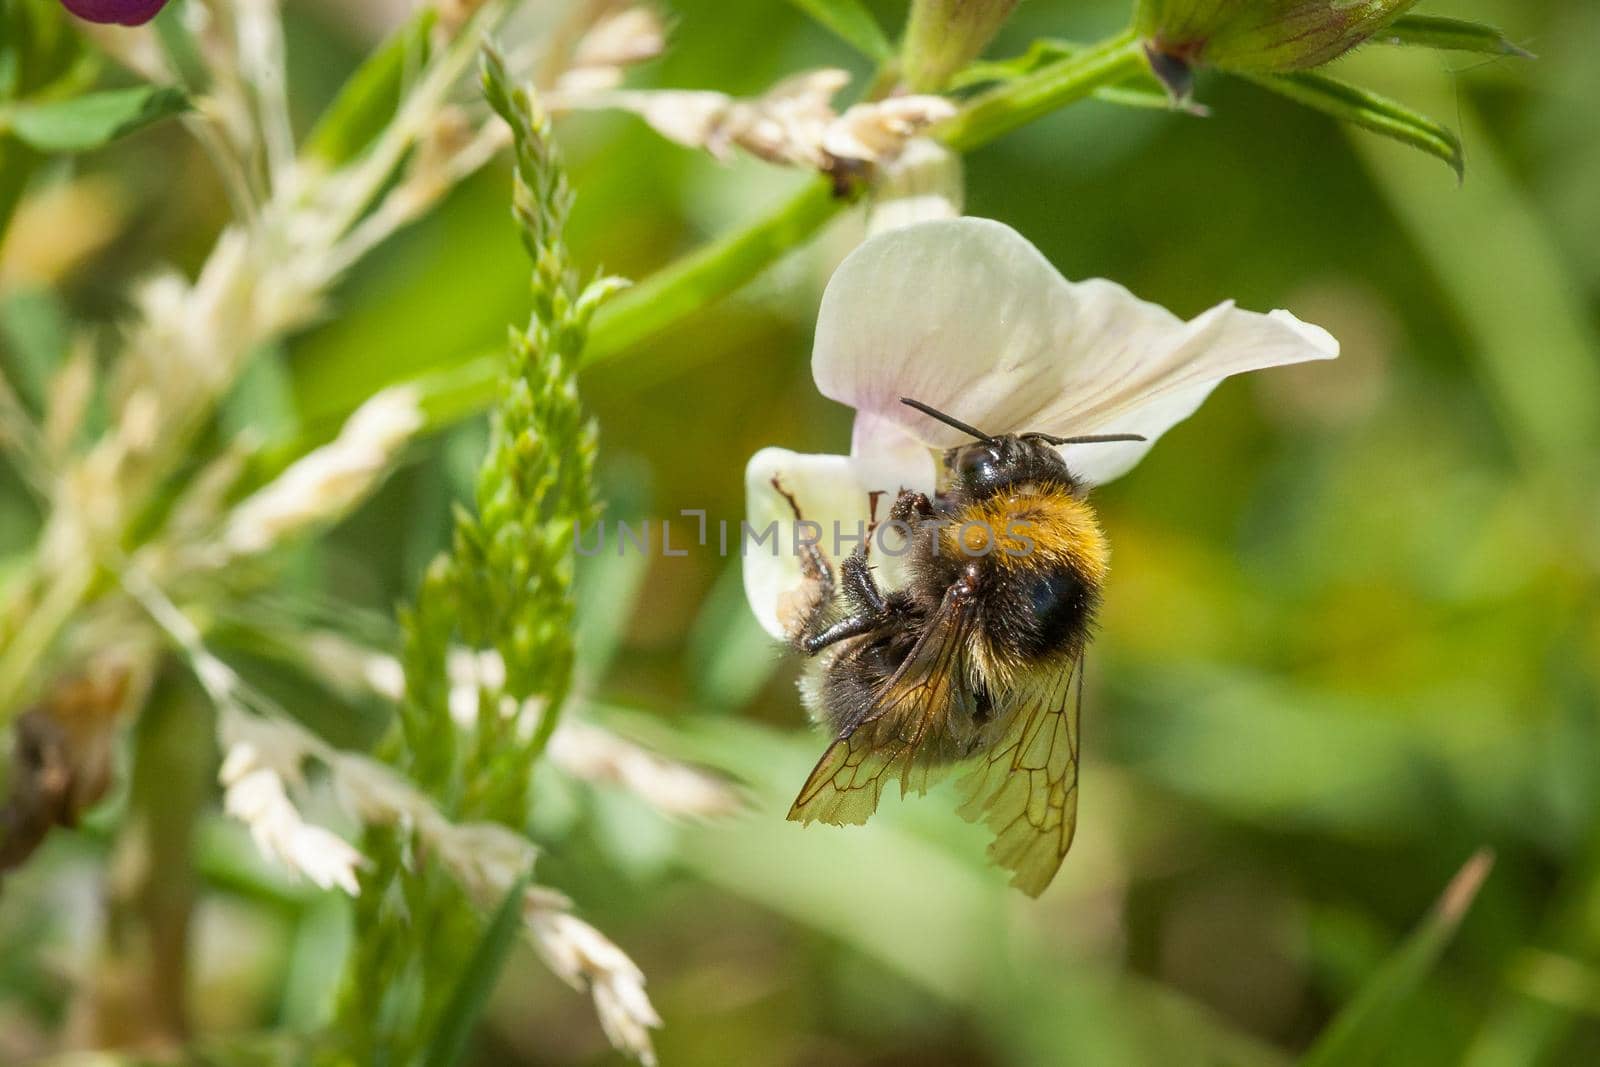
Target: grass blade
x=478, y=981
x=369, y=98
x=1365, y=1027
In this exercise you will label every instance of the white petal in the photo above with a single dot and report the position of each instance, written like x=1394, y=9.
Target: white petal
x=1100, y=463
x=888, y=459
x=835, y=492
x=968, y=316
x=1222, y=342
x=941, y=311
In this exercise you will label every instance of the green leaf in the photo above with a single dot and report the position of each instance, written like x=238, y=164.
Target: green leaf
x=1369, y=1023
x=41, y=56
x=1367, y=110
x=852, y=22
x=1459, y=35
x=370, y=96
x=33, y=342
x=316, y=955
x=94, y=119
x=478, y=981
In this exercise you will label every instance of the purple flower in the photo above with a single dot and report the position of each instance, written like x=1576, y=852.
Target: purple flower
x=125, y=12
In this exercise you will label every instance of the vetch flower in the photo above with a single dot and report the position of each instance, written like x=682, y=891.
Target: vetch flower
x=1270, y=37
x=120, y=12
x=966, y=315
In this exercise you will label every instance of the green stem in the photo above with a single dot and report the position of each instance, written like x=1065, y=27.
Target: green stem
x=637, y=315
x=671, y=296
x=156, y=889
x=1035, y=95
x=719, y=268
x=725, y=265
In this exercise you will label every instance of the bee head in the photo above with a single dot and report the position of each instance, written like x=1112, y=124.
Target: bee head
x=996, y=463
x=992, y=462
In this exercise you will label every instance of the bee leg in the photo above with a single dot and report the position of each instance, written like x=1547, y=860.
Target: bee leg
x=872, y=607
x=909, y=506
x=850, y=626
x=808, y=611
x=860, y=586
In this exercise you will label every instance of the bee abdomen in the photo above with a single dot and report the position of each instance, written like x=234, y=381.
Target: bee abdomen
x=1057, y=607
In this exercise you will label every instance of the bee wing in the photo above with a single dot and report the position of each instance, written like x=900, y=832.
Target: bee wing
x=1025, y=787
x=892, y=738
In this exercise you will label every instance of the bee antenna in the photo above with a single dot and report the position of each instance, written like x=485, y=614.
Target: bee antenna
x=948, y=420
x=1086, y=439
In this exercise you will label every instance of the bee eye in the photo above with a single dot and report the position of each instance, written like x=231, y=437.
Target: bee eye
x=975, y=464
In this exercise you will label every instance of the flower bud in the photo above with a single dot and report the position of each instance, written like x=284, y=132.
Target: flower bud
x=1256, y=36
x=942, y=36
x=122, y=12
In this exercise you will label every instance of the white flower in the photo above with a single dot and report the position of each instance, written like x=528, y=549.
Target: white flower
x=251, y=742
x=376, y=795
x=593, y=754
x=327, y=482
x=263, y=758
x=966, y=315
x=486, y=858
x=587, y=959
x=257, y=798
x=794, y=123
x=617, y=41
x=470, y=674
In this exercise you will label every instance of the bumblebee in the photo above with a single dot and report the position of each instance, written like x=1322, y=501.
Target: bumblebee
x=977, y=661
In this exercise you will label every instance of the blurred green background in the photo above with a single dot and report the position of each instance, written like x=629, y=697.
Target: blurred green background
x=1351, y=635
